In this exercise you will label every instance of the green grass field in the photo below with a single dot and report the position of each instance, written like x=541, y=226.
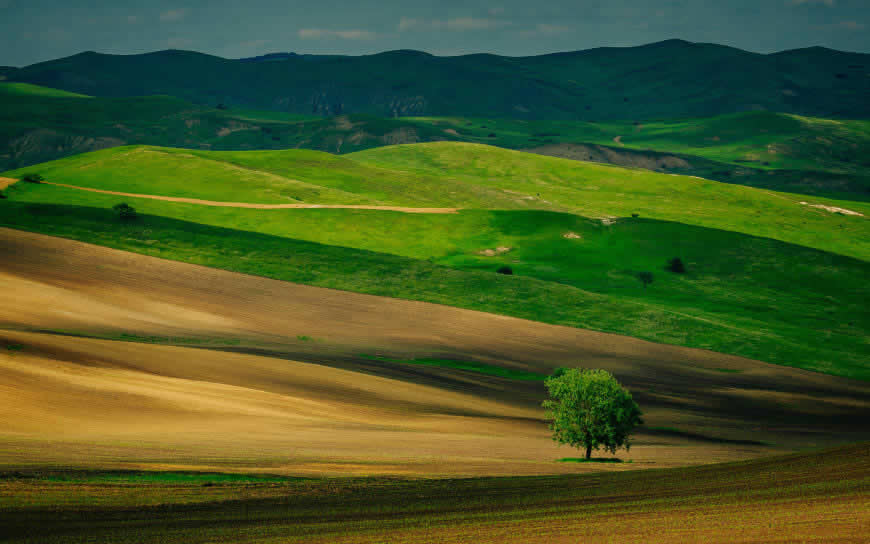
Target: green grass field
x=467, y=176
x=765, y=140
x=764, y=498
x=27, y=89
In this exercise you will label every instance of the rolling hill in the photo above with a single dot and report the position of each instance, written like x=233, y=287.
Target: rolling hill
x=667, y=79
x=776, y=151
x=120, y=361
x=477, y=176
x=563, y=227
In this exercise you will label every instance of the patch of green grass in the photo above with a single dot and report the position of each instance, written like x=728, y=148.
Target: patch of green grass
x=468, y=366
x=27, y=89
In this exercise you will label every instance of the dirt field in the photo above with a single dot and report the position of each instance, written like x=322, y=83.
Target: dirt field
x=298, y=398
x=6, y=182
x=255, y=206
x=819, y=496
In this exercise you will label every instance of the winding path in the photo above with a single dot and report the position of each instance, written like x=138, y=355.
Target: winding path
x=259, y=206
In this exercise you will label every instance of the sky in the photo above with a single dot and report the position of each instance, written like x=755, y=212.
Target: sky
x=37, y=30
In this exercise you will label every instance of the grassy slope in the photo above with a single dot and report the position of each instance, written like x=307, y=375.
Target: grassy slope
x=598, y=191
x=743, y=295
x=784, y=152
x=26, y=89
x=824, y=493
x=464, y=175
x=763, y=139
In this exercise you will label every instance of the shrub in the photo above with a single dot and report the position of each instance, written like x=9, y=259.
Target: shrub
x=506, y=270
x=635, y=215
x=33, y=178
x=125, y=212
x=676, y=266
x=645, y=278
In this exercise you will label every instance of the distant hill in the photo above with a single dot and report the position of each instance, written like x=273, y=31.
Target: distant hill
x=270, y=57
x=662, y=80
x=778, y=151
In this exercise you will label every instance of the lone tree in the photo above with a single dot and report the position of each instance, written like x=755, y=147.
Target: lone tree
x=506, y=270
x=125, y=212
x=676, y=266
x=590, y=409
x=645, y=278
x=33, y=178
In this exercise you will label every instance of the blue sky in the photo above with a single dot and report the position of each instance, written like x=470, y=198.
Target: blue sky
x=37, y=30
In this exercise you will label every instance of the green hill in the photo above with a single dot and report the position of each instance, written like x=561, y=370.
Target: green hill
x=742, y=294
x=26, y=89
x=776, y=151
x=662, y=80
x=444, y=174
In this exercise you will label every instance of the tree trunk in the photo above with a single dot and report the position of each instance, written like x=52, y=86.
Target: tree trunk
x=588, y=452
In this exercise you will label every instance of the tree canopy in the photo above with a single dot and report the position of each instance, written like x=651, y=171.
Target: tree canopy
x=590, y=409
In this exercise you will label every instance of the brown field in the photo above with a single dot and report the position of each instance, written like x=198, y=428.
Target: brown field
x=818, y=496
x=271, y=380
x=6, y=182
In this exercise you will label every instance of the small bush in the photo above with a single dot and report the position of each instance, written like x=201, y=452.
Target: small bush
x=635, y=215
x=676, y=266
x=506, y=270
x=125, y=212
x=491, y=135
x=645, y=278
x=33, y=178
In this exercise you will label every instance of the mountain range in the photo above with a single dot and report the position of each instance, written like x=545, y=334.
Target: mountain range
x=670, y=79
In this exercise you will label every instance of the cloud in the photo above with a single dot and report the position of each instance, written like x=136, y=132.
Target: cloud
x=320, y=33
x=132, y=19
x=496, y=11
x=828, y=3
x=471, y=23
x=544, y=29
x=458, y=24
x=851, y=25
x=406, y=23
x=173, y=15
